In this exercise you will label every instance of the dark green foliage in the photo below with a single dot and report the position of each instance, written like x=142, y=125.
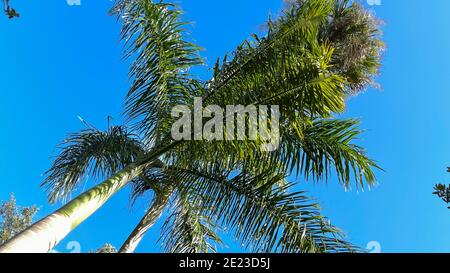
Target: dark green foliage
x=106, y=248
x=14, y=219
x=442, y=191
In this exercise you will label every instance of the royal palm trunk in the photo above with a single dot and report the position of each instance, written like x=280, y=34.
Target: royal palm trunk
x=149, y=219
x=48, y=232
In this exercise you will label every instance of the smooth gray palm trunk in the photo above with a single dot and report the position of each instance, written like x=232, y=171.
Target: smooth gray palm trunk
x=48, y=232
x=149, y=219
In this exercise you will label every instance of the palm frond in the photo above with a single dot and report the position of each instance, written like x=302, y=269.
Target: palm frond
x=284, y=68
x=295, y=30
x=326, y=144
x=90, y=153
x=262, y=212
x=161, y=59
x=315, y=149
x=188, y=230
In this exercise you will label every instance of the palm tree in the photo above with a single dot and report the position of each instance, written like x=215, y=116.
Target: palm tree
x=311, y=59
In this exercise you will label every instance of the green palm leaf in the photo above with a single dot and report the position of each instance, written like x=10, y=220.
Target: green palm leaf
x=161, y=59
x=262, y=212
x=188, y=230
x=325, y=144
x=90, y=153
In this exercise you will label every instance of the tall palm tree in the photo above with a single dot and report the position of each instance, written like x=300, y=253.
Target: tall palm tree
x=311, y=59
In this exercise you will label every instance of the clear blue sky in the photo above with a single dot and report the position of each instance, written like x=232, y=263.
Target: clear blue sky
x=59, y=61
